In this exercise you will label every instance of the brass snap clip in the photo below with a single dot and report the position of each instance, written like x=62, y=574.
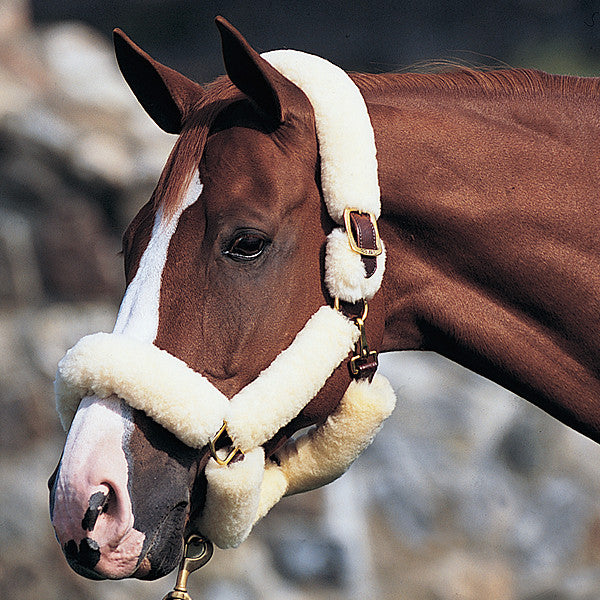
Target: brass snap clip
x=364, y=363
x=196, y=553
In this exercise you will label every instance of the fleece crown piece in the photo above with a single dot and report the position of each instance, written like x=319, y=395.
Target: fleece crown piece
x=346, y=140
x=349, y=177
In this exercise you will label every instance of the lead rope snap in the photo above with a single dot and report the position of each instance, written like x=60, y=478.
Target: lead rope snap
x=196, y=553
x=363, y=364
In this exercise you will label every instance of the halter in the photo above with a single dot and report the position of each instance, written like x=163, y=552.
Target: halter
x=241, y=492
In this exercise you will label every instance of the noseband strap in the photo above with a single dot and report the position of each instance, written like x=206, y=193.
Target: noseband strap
x=185, y=402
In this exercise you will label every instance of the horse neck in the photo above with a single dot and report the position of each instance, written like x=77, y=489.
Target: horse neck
x=489, y=214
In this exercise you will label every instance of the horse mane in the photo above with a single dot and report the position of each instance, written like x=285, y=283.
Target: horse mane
x=469, y=81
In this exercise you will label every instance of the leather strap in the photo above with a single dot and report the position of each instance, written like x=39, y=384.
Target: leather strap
x=365, y=236
x=365, y=367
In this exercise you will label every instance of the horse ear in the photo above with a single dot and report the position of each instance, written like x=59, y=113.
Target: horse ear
x=165, y=94
x=272, y=93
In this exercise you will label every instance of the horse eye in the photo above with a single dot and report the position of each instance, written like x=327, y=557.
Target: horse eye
x=246, y=246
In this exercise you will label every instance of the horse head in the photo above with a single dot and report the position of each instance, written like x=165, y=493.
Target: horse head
x=225, y=272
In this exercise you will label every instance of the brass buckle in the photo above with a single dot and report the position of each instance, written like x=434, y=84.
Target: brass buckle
x=352, y=240
x=212, y=443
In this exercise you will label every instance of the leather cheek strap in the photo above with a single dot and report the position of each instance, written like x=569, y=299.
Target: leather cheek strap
x=366, y=238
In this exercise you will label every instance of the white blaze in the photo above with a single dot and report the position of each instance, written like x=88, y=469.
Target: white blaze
x=95, y=455
x=138, y=315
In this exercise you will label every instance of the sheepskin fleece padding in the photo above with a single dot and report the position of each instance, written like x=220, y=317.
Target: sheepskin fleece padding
x=325, y=453
x=344, y=130
x=232, y=499
x=185, y=402
x=292, y=380
x=345, y=274
x=147, y=378
x=241, y=493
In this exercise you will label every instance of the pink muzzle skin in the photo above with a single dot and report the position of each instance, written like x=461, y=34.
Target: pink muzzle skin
x=92, y=510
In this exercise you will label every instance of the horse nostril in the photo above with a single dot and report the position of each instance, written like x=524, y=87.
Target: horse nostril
x=87, y=555
x=98, y=503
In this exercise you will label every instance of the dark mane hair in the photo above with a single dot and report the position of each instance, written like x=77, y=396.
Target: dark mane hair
x=468, y=81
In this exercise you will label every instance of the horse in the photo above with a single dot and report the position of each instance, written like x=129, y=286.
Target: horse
x=485, y=221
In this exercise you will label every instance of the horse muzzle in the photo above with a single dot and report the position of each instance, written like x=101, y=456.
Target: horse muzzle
x=110, y=523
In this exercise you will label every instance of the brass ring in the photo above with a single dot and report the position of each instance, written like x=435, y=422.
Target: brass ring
x=223, y=462
x=362, y=318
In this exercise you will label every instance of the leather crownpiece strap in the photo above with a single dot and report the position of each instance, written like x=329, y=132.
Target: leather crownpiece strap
x=365, y=237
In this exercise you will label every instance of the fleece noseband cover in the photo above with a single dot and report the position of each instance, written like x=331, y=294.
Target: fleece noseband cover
x=189, y=406
x=185, y=402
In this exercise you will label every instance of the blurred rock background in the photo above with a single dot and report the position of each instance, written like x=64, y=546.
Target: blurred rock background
x=468, y=492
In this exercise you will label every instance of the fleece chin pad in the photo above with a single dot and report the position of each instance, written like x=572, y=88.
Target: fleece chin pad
x=232, y=499
x=241, y=493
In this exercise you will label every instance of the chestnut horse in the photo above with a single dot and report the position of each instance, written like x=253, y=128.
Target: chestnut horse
x=490, y=216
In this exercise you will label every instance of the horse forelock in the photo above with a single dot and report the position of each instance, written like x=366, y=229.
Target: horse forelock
x=183, y=162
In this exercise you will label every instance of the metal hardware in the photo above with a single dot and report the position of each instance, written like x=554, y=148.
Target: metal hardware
x=363, y=363
x=212, y=446
x=363, y=359
x=196, y=553
x=365, y=312
x=352, y=240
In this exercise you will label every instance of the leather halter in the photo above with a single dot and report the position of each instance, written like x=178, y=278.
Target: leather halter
x=354, y=265
x=351, y=193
